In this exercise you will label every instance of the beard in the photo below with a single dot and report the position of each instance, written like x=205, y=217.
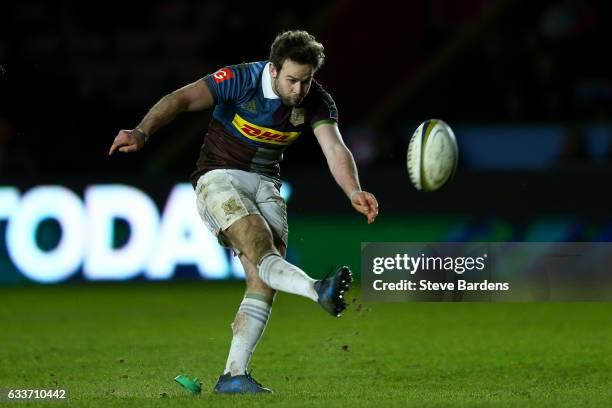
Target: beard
x=291, y=100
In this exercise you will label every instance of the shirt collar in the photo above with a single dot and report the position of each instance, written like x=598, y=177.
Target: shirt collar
x=266, y=83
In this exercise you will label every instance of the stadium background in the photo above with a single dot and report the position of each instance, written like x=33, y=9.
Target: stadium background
x=525, y=85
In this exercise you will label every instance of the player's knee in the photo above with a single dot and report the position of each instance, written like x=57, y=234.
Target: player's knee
x=260, y=246
x=252, y=237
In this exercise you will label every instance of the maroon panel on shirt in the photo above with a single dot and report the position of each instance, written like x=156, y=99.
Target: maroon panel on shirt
x=319, y=105
x=222, y=150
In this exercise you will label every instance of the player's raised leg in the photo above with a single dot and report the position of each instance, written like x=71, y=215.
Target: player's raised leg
x=252, y=237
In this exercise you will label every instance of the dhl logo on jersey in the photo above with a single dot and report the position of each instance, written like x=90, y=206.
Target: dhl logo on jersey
x=263, y=134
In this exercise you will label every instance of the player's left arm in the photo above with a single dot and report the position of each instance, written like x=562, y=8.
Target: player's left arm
x=343, y=168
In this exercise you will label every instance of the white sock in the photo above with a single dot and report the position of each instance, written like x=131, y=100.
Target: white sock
x=281, y=275
x=248, y=327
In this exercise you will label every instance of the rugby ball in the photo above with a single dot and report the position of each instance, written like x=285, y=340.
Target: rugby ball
x=432, y=155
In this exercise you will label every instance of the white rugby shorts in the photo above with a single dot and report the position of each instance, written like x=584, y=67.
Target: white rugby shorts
x=226, y=195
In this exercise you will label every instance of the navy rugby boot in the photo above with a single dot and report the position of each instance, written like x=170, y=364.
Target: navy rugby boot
x=331, y=290
x=239, y=384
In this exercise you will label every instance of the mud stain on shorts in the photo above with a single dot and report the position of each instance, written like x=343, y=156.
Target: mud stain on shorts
x=230, y=207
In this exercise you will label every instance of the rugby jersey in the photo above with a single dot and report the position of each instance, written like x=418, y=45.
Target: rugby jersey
x=250, y=126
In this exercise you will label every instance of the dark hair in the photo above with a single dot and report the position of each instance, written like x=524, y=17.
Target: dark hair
x=298, y=46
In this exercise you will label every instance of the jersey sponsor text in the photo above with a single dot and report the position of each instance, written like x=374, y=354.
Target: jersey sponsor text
x=263, y=134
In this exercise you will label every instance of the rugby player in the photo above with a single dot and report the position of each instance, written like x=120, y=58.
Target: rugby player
x=260, y=108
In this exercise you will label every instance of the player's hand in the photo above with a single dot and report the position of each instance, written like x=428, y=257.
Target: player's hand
x=366, y=204
x=127, y=141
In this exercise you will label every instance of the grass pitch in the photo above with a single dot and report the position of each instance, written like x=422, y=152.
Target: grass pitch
x=122, y=345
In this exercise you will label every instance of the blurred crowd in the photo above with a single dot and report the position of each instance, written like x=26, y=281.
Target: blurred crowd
x=71, y=76
x=507, y=62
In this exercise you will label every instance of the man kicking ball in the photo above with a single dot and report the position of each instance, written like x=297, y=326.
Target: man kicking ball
x=260, y=108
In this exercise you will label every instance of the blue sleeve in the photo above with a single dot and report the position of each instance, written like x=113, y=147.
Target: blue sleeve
x=230, y=84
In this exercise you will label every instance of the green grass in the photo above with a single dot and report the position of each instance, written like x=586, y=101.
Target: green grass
x=121, y=345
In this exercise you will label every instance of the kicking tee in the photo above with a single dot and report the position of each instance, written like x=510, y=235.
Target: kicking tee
x=250, y=126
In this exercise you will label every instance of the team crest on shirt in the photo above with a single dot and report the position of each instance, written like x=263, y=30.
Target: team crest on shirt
x=297, y=116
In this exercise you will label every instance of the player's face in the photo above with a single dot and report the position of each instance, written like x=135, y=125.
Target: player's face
x=292, y=82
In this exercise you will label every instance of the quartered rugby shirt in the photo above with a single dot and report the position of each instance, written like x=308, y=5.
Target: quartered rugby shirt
x=250, y=126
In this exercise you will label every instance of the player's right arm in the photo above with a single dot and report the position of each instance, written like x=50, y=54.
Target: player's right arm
x=193, y=97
